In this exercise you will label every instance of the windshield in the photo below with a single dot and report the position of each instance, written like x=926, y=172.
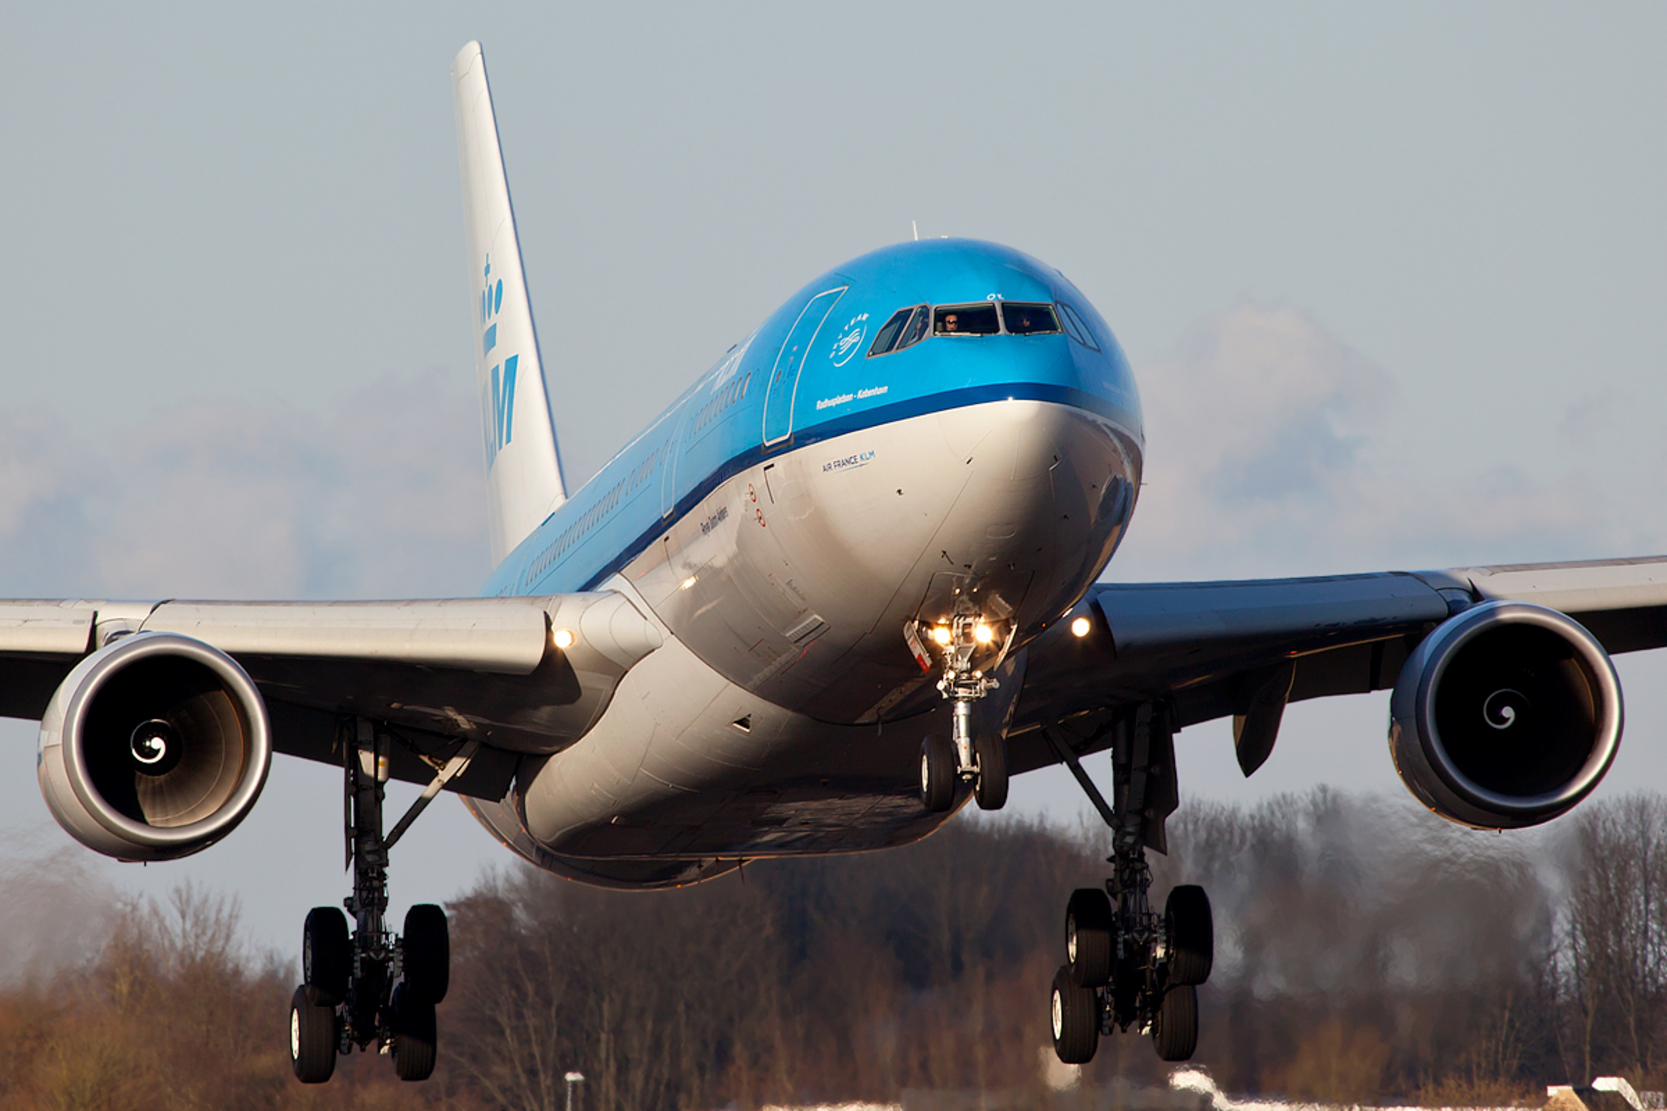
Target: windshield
x=966, y=320
x=1024, y=318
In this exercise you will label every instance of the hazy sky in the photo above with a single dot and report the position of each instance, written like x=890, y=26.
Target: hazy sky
x=1390, y=278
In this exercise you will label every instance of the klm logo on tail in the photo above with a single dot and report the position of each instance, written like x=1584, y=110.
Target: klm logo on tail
x=497, y=400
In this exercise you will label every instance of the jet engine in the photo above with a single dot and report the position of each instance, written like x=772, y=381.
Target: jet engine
x=154, y=747
x=1507, y=715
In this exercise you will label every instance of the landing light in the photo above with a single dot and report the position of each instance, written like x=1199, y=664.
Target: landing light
x=941, y=634
x=686, y=583
x=983, y=633
x=563, y=638
x=1079, y=627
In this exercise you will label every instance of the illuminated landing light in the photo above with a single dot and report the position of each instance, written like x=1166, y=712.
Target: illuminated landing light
x=1079, y=627
x=563, y=638
x=941, y=634
x=983, y=634
x=686, y=583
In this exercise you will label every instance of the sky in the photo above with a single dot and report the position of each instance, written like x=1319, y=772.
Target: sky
x=1389, y=277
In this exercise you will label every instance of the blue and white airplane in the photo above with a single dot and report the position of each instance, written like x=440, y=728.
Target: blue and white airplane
x=844, y=584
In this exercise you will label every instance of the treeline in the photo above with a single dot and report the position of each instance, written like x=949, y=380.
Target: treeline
x=1366, y=952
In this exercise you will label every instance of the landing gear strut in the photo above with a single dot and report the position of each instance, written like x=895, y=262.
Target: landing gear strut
x=369, y=986
x=1127, y=966
x=967, y=756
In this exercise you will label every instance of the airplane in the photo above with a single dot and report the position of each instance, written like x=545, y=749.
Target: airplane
x=846, y=584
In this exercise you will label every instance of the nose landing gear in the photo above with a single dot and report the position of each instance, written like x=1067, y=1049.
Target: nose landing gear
x=978, y=759
x=370, y=986
x=1127, y=966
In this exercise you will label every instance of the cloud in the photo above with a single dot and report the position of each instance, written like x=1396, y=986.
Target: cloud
x=1262, y=429
x=382, y=495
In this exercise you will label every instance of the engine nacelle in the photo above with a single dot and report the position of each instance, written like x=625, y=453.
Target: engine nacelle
x=154, y=747
x=1506, y=716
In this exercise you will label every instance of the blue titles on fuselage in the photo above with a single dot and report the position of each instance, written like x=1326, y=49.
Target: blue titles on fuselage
x=994, y=335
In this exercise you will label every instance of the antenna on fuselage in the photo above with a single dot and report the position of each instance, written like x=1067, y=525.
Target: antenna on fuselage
x=914, y=227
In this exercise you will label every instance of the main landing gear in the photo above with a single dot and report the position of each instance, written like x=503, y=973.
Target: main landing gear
x=1127, y=966
x=965, y=757
x=369, y=986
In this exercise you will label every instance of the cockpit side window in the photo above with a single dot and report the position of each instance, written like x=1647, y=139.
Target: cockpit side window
x=1027, y=318
x=904, y=329
x=915, y=330
x=1075, y=328
x=886, y=339
x=966, y=320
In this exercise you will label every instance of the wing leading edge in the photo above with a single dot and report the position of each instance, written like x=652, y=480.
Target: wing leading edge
x=444, y=672
x=1218, y=649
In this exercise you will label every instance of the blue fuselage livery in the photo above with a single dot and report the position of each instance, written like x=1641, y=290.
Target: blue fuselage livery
x=804, y=377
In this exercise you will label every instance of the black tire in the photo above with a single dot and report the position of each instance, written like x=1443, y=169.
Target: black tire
x=1175, y=1026
x=414, y=1036
x=990, y=750
x=937, y=773
x=312, y=1037
x=1076, y=1019
x=1192, y=936
x=1088, y=937
x=326, y=955
x=427, y=945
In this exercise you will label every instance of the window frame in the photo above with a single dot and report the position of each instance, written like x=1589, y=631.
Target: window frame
x=897, y=344
x=1073, y=323
x=1051, y=306
x=907, y=313
x=992, y=305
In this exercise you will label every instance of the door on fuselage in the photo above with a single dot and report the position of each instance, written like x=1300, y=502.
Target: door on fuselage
x=790, y=360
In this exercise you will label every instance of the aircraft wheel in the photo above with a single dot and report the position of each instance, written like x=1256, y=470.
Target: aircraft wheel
x=990, y=750
x=1076, y=1019
x=1088, y=937
x=326, y=955
x=427, y=948
x=414, y=1036
x=1191, y=930
x=937, y=773
x=1175, y=1026
x=312, y=1037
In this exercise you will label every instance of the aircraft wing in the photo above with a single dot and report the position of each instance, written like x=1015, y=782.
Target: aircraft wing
x=440, y=672
x=1220, y=649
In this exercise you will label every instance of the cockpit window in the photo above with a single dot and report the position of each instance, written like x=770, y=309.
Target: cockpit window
x=1075, y=328
x=915, y=330
x=1025, y=318
x=886, y=338
x=966, y=320
x=905, y=329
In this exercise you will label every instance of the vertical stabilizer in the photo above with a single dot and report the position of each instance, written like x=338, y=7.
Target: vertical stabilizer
x=523, y=467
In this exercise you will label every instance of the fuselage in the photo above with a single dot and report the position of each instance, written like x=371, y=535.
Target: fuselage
x=850, y=472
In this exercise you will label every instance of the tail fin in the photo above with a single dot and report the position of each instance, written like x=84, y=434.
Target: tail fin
x=523, y=465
